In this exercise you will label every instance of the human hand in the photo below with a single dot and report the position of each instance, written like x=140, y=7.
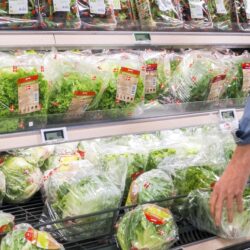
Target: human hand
x=229, y=189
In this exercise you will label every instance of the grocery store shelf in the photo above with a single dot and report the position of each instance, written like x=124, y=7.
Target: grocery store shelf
x=133, y=126
x=100, y=39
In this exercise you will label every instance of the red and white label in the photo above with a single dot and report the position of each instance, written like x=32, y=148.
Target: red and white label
x=246, y=77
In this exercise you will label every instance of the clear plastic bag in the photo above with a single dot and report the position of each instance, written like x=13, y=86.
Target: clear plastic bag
x=154, y=185
x=139, y=229
x=24, y=236
x=200, y=216
x=23, y=179
x=221, y=14
x=2, y=187
x=57, y=14
x=242, y=13
x=159, y=15
x=78, y=190
x=6, y=222
x=97, y=15
x=196, y=15
x=77, y=87
x=22, y=16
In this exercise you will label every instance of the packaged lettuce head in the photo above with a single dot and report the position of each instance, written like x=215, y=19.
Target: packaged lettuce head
x=2, y=185
x=6, y=222
x=25, y=15
x=35, y=155
x=77, y=88
x=24, y=236
x=200, y=216
x=80, y=192
x=97, y=15
x=56, y=14
x=193, y=79
x=196, y=15
x=125, y=89
x=23, y=179
x=154, y=185
x=147, y=227
x=155, y=73
x=242, y=13
x=221, y=14
x=159, y=15
x=24, y=92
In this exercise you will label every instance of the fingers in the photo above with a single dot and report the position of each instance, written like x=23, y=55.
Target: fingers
x=213, y=200
x=239, y=201
x=218, y=209
x=230, y=200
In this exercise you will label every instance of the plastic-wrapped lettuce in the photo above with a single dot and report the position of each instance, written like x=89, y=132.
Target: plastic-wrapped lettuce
x=24, y=236
x=221, y=12
x=59, y=15
x=23, y=179
x=154, y=185
x=78, y=85
x=125, y=89
x=2, y=185
x=242, y=12
x=6, y=222
x=24, y=15
x=200, y=216
x=159, y=15
x=78, y=190
x=147, y=227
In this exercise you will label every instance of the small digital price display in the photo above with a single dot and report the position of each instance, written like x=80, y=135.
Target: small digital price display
x=228, y=120
x=54, y=135
x=142, y=37
x=228, y=115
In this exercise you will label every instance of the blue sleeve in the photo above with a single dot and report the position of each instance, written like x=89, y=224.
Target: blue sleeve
x=243, y=133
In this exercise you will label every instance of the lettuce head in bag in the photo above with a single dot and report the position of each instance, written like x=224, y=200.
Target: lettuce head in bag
x=147, y=227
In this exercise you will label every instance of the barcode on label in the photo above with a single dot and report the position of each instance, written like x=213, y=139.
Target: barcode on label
x=133, y=91
x=36, y=97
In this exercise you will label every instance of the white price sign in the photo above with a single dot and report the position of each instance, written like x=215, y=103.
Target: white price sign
x=61, y=5
x=18, y=7
x=228, y=120
x=97, y=7
x=54, y=135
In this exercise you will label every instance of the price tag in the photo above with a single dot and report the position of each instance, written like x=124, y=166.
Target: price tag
x=196, y=9
x=143, y=38
x=54, y=135
x=97, y=7
x=61, y=5
x=220, y=6
x=18, y=7
x=228, y=120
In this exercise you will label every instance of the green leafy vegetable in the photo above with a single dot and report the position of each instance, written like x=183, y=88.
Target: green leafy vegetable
x=6, y=222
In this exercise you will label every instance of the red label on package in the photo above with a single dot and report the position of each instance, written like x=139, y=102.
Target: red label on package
x=246, y=77
x=28, y=95
x=150, y=78
x=217, y=87
x=127, y=84
x=156, y=215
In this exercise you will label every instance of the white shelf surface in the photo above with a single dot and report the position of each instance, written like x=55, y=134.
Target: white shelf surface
x=64, y=39
x=28, y=139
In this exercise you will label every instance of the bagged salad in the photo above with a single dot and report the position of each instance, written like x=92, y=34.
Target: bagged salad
x=196, y=15
x=242, y=13
x=21, y=15
x=147, y=227
x=23, y=179
x=154, y=185
x=79, y=190
x=2, y=184
x=200, y=216
x=159, y=15
x=6, y=222
x=97, y=15
x=221, y=14
x=58, y=14
x=77, y=86
x=24, y=236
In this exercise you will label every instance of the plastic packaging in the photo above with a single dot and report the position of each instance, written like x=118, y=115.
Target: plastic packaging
x=159, y=15
x=24, y=15
x=77, y=191
x=23, y=179
x=147, y=227
x=221, y=14
x=154, y=185
x=2, y=186
x=196, y=15
x=125, y=89
x=56, y=14
x=200, y=216
x=242, y=14
x=24, y=236
x=97, y=15
x=77, y=87
x=156, y=72
x=6, y=222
